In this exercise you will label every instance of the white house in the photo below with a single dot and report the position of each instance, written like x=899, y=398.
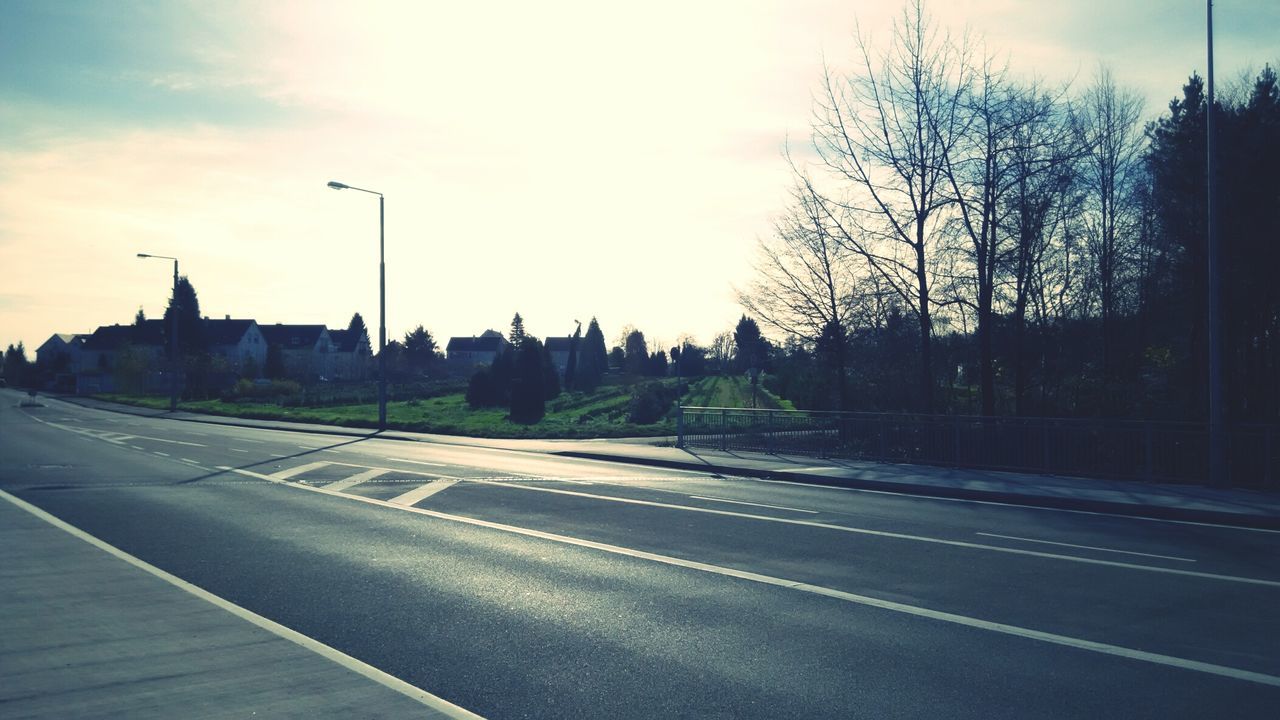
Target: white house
x=239, y=342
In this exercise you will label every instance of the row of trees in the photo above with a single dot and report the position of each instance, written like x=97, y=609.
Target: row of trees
x=1045, y=247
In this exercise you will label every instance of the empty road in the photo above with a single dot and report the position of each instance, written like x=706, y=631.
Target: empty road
x=525, y=585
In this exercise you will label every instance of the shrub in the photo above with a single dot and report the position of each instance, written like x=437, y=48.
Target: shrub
x=650, y=403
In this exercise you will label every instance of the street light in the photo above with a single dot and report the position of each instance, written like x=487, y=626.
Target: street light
x=382, y=300
x=173, y=345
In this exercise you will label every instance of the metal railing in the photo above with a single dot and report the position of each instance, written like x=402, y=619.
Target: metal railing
x=1152, y=451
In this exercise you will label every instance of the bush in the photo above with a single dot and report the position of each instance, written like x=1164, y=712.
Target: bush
x=246, y=389
x=650, y=403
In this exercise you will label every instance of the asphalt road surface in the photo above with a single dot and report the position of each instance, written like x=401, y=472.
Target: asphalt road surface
x=519, y=584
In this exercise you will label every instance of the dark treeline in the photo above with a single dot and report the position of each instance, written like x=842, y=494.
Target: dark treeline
x=969, y=242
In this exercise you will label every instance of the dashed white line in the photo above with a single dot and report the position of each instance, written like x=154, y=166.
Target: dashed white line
x=416, y=462
x=913, y=610
x=237, y=450
x=189, y=460
x=743, y=502
x=157, y=452
x=135, y=447
x=1085, y=547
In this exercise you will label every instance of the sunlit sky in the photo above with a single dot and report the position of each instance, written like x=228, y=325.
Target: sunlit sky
x=562, y=159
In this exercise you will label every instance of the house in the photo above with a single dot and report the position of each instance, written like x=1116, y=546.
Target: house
x=61, y=352
x=472, y=351
x=118, y=355
x=352, y=354
x=558, y=348
x=239, y=342
x=306, y=350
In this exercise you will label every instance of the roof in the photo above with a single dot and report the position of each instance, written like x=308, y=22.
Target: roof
x=64, y=339
x=111, y=337
x=558, y=344
x=348, y=341
x=292, y=337
x=488, y=343
x=226, y=332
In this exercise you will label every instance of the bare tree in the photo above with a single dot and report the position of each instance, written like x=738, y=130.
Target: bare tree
x=881, y=134
x=1108, y=126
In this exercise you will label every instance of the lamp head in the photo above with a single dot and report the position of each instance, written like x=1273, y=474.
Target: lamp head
x=337, y=185
x=143, y=255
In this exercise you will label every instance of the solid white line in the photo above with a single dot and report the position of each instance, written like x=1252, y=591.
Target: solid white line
x=415, y=462
x=438, y=704
x=903, y=536
x=356, y=479
x=1002, y=628
x=166, y=440
x=290, y=472
x=743, y=502
x=1020, y=506
x=1086, y=547
x=423, y=492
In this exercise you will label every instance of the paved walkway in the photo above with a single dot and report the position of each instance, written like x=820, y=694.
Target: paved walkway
x=1181, y=502
x=85, y=633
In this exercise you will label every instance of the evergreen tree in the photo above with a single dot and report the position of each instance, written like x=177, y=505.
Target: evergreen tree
x=617, y=358
x=749, y=344
x=139, y=318
x=550, y=378
x=357, y=326
x=571, y=367
x=481, y=391
x=658, y=364
x=592, y=359
x=191, y=338
x=17, y=369
x=516, y=337
x=637, y=353
x=528, y=402
x=421, y=351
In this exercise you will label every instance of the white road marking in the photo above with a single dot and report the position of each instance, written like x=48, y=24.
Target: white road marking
x=326, y=450
x=255, y=442
x=743, y=502
x=166, y=440
x=157, y=452
x=189, y=460
x=309, y=447
x=135, y=447
x=290, y=472
x=277, y=455
x=416, y=462
x=917, y=611
x=904, y=536
x=238, y=450
x=1086, y=547
x=438, y=704
x=422, y=492
x=356, y=479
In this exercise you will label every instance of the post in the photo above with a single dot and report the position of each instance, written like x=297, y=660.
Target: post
x=173, y=364
x=1217, y=451
x=382, y=312
x=1148, y=464
x=724, y=430
x=680, y=426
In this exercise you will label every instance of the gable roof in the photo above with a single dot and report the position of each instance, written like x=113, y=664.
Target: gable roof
x=110, y=337
x=63, y=339
x=558, y=344
x=489, y=343
x=292, y=337
x=348, y=341
x=226, y=332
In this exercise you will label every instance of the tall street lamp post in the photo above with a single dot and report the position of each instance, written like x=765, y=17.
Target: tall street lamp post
x=173, y=336
x=382, y=301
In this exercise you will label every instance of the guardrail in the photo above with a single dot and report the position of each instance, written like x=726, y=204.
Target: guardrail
x=1152, y=451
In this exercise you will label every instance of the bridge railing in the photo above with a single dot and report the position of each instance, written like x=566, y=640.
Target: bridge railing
x=1153, y=451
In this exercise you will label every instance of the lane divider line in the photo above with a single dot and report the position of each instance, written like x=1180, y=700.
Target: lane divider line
x=438, y=704
x=1086, y=547
x=864, y=600
x=357, y=479
x=904, y=536
x=743, y=502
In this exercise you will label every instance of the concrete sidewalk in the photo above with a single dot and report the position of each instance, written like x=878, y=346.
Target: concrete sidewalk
x=85, y=633
x=1175, y=502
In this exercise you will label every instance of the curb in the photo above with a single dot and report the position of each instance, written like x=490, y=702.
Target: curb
x=1259, y=522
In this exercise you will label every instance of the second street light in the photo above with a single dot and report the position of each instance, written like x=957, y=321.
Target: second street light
x=382, y=301
x=173, y=339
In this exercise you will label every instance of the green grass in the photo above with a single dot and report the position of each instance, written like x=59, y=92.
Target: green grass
x=732, y=391
x=602, y=413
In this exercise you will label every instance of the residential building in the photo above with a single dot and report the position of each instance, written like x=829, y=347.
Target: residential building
x=352, y=355
x=558, y=348
x=306, y=350
x=118, y=355
x=472, y=351
x=61, y=352
x=239, y=342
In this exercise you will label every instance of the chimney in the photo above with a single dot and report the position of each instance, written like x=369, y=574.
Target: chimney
x=228, y=316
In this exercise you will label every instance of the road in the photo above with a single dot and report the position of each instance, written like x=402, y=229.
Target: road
x=519, y=584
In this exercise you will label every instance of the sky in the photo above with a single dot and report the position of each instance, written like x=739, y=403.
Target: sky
x=562, y=159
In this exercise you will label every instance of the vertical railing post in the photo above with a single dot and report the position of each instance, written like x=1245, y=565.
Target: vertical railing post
x=724, y=430
x=680, y=426
x=768, y=432
x=955, y=445
x=882, y=441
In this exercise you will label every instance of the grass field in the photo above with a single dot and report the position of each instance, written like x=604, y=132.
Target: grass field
x=601, y=413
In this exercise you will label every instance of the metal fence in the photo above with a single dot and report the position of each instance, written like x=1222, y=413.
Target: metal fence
x=1153, y=451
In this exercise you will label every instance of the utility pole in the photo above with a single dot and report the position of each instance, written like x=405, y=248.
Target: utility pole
x=1217, y=446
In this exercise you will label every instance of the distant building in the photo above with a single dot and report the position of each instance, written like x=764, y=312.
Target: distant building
x=472, y=351
x=61, y=351
x=352, y=355
x=239, y=342
x=306, y=350
x=558, y=349
x=136, y=350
